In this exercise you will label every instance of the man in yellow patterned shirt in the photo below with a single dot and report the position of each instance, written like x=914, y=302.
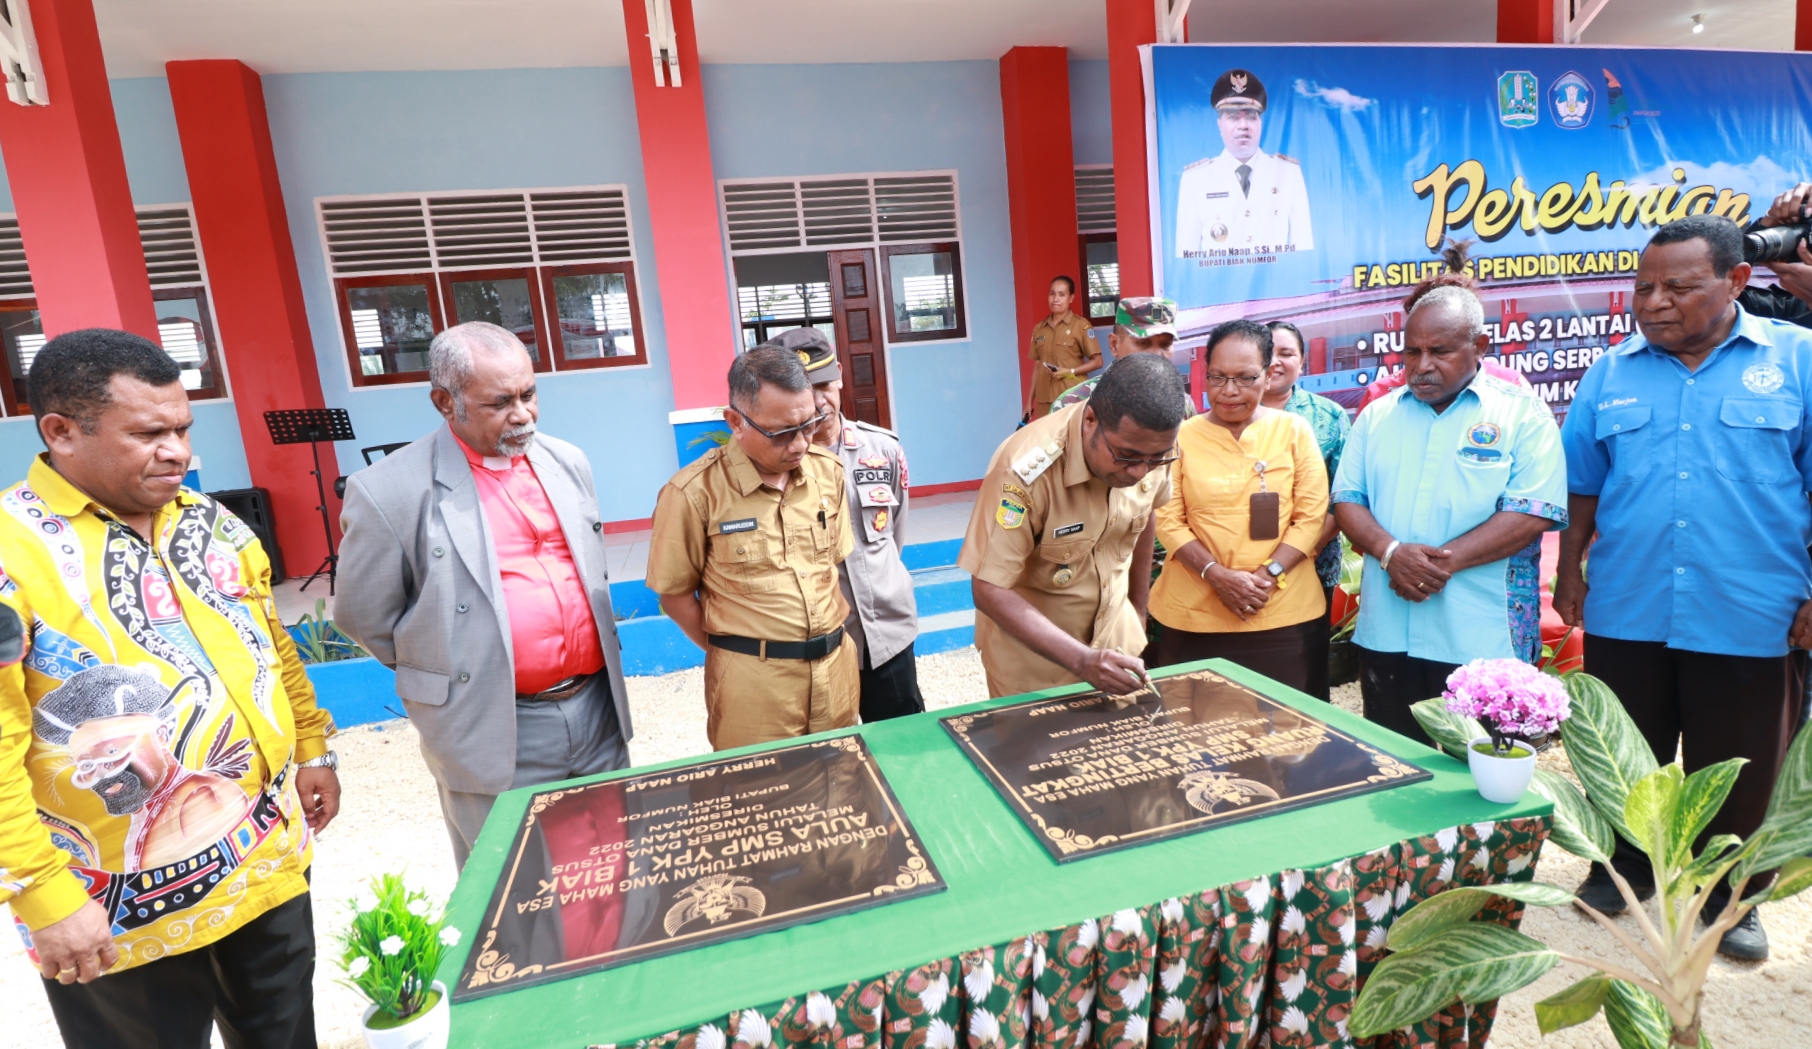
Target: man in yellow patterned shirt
x=163, y=765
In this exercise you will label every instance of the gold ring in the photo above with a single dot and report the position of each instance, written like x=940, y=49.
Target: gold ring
x=1419, y=586
x=66, y=972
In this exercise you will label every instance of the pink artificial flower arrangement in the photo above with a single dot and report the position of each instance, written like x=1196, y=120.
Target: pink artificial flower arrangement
x=1509, y=697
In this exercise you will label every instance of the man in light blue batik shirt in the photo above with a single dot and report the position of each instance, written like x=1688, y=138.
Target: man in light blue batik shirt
x=1689, y=452
x=1446, y=486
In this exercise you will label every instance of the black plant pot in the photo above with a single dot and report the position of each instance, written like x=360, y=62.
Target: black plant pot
x=1343, y=662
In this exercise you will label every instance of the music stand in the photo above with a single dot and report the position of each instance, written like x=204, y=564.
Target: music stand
x=311, y=426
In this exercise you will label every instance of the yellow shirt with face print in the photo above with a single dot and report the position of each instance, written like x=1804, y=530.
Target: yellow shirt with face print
x=149, y=738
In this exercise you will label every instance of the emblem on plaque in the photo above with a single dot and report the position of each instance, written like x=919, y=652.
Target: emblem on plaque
x=712, y=898
x=1206, y=791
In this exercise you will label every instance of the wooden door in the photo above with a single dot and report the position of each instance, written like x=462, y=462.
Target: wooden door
x=856, y=306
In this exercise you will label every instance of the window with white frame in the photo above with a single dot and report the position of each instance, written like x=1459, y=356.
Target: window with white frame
x=555, y=266
x=1100, y=249
x=911, y=220
x=185, y=323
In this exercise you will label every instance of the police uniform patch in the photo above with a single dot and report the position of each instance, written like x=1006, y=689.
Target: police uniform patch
x=877, y=495
x=1763, y=378
x=869, y=475
x=880, y=521
x=873, y=461
x=1010, y=514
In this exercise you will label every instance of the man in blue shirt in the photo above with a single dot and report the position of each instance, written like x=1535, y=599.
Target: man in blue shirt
x=1689, y=452
x=1444, y=485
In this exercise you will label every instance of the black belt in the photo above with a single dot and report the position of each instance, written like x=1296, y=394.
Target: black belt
x=563, y=690
x=811, y=648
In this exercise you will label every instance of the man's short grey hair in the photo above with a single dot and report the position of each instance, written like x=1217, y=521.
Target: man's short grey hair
x=1460, y=299
x=764, y=366
x=450, y=354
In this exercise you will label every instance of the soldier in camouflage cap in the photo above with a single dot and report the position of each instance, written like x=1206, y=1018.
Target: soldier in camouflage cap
x=1141, y=325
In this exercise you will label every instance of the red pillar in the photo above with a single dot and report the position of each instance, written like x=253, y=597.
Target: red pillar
x=68, y=179
x=1802, y=25
x=1130, y=23
x=256, y=292
x=682, y=208
x=1041, y=185
x=1529, y=21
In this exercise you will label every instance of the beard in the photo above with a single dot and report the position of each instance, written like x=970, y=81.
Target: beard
x=511, y=443
x=130, y=798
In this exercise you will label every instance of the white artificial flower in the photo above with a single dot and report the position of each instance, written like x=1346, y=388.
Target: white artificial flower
x=1261, y=931
x=1376, y=936
x=449, y=936
x=1349, y=928
x=364, y=904
x=359, y=967
x=1258, y=894
x=983, y=1027
x=1172, y=910
x=1134, y=992
x=819, y=1011
x=1088, y=934
x=1172, y=976
x=1292, y=988
x=1520, y=864
x=1446, y=838
x=1377, y=906
x=932, y=997
x=1126, y=922
x=939, y=1035
x=1037, y=960
x=418, y=907
x=1172, y=1011
x=1293, y=921
x=1292, y=884
x=710, y=1036
x=1484, y=830
x=979, y=981
x=1349, y=963
x=1136, y=1029
x=1040, y=1007
x=391, y=945
x=752, y=1028
x=1294, y=1021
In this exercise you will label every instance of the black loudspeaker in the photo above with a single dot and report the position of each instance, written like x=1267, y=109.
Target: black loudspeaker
x=253, y=506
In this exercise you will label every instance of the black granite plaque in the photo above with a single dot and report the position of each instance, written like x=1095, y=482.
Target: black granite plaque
x=607, y=874
x=1092, y=773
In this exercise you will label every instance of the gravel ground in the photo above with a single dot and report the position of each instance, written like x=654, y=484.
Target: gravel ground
x=391, y=822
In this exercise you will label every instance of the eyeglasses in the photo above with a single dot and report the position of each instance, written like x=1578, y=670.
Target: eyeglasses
x=786, y=436
x=1125, y=460
x=1244, y=382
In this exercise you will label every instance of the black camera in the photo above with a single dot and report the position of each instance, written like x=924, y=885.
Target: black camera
x=1775, y=243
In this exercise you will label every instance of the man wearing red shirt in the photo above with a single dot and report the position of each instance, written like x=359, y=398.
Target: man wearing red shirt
x=474, y=566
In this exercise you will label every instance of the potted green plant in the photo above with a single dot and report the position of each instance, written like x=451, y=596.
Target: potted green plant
x=390, y=952
x=318, y=640
x=1518, y=705
x=1439, y=953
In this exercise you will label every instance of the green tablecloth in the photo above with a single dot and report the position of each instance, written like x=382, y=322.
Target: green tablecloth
x=1267, y=923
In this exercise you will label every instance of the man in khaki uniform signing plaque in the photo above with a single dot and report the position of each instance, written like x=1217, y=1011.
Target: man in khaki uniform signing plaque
x=744, y=554
x=1059, y=543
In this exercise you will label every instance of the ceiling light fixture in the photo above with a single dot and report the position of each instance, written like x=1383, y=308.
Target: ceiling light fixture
x=1698, y=23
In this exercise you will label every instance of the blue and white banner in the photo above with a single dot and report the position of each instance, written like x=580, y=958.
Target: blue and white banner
x=1326, y=181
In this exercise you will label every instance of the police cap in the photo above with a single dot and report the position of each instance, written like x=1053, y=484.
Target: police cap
x=1238, y=89
x=815, y=352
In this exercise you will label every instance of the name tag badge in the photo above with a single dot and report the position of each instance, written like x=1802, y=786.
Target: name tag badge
x=1069, y=529
x=1218, y=196
x=1265, y=515
x=747, y=524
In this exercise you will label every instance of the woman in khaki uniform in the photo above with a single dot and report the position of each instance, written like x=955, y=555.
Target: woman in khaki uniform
x=1062, y=348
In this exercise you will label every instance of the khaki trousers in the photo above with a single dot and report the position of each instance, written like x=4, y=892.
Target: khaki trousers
x=753, y=700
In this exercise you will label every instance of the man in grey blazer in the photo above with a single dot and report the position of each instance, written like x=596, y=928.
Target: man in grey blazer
x=473, y=563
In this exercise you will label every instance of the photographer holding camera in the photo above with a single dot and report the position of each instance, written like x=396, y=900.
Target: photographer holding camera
x=1778, y=240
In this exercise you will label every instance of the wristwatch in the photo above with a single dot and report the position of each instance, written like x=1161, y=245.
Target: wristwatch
x=329, y=760
x=1277, y=573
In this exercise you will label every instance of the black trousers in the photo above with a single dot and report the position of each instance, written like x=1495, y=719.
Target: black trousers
x=1710, y=708
x=1295, y=655
x=257, y=984
x=1391, y=682
x=891, y=690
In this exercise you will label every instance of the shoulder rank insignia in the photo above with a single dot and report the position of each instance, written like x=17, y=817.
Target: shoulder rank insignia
x=1036, y=461
x=1287, y=160
x=1197, y=164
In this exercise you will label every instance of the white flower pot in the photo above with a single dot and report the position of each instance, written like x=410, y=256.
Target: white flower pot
x=424, y=1030
x=1502, y=780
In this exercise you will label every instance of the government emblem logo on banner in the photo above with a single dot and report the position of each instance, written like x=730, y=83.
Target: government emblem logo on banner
x=1518, y=98
x=1571, y=96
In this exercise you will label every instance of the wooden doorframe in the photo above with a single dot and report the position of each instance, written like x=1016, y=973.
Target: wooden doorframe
x=860, y=301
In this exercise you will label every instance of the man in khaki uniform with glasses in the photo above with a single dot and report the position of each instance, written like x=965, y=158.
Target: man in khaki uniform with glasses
x=746, y=544
x=1059, y=543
